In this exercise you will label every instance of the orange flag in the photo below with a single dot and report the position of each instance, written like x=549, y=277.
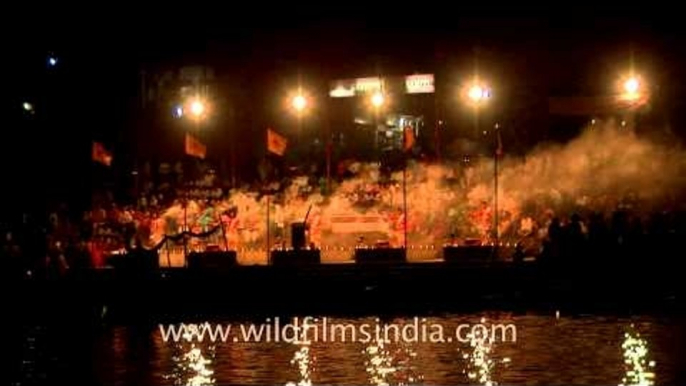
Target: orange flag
x=409, y=139
x=276, y=143
x=194, y=147
x=100, y=154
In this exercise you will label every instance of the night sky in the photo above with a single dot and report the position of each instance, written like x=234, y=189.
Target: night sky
x=93, y=91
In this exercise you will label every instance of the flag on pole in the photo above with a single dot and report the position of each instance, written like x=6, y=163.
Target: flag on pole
x=100, y=154
x=194, y=147
x=408, y=139
x=276, y=143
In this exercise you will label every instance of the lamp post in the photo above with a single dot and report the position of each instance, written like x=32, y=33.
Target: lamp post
x=632, y=94
x=477, y=94
x=197, y=109
x=299, y=103
x=377, y=99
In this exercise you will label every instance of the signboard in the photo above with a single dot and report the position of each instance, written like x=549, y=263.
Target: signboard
x=342, y=89
x=366, y=85
x=411, y=84
x=419, y=84
x=351, y=87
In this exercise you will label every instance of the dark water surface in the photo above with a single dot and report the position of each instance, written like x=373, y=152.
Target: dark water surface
x=550, y=349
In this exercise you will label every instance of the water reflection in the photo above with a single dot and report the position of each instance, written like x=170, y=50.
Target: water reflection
x=480, y=364
x=191, y=366
x=391, y=363
x=637, y=364
x=583, y=350
x=302, y=358
x=380, y=363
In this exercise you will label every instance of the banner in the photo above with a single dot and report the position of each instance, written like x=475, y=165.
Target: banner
x=410, y=84
x=419, y=84
x=194, y=147
x=101, y=155
x=276, y=143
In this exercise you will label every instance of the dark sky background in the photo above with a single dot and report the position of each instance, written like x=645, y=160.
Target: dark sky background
x=530, y=52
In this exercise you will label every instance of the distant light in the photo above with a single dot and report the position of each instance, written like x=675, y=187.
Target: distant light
x=631, y=85
x=623, y=123
x=478, y=93
x=134, y=172
x=497, y=125
x=52, y=61
x=197, y=108
x=632, y=88
x=27, y=106
x=592, y=121
x=178, y=111
x=378, y=99
x=299, y=102
x=485, y=132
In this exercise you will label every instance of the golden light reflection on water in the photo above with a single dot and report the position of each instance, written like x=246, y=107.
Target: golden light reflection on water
x=390, y=363
x=480, y=363
x=637, y=364
x=303, y=360
x=568, y=350
x=379, y=366
x=199, y=366
x=191, y=366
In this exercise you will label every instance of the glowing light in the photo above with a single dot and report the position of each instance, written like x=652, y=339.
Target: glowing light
x=197, y=364
x=631, y=85
x=635, y=361
x=191, y=366
x=303, y=359
x=299, y=102
x=478, y=93
x=378, y=99
x=178, y=111
x=52, y=61
x=197, y=108
x=632, y=88
x=380, y=363
x=481, y=365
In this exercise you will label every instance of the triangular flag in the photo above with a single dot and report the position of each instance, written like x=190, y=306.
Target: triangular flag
x=194, y=147
x=409, y=139
x=100, y=154
x=276, y=143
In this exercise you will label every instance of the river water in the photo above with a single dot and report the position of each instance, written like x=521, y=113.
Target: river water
x=550, y=349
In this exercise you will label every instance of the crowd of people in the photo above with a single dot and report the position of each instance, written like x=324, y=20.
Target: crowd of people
x=579, y=230
x=621, y=239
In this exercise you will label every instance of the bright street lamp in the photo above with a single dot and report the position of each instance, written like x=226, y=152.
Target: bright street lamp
x=478, y=93
x=631, y=85
x=378, y=99
x=197, y=108
x=299, y=102
x=631, y=88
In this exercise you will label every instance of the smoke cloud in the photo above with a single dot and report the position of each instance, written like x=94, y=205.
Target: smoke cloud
x=606, y=167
